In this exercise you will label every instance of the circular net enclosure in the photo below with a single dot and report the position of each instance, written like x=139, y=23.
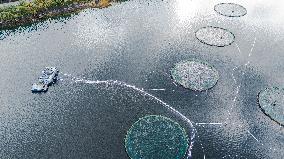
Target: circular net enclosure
x=271, y=101
x=215, y=36
x=153, y=137
x=230, y=9
x=195, y=75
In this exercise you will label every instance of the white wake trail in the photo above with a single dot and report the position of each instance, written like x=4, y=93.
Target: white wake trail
x=152, y=96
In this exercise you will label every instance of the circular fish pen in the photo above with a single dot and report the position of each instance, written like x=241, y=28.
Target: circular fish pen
x=271, y=102
x=195, y=75
x=215, y=36
x=156, y=136
x=230, y=9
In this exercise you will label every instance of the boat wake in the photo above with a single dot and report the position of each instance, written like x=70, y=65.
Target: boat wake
x=143, y=92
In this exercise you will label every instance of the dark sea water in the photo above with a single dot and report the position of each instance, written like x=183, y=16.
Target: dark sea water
x=138, y=42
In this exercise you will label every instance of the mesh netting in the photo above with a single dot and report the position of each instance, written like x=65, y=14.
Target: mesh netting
x=195, y=75
x=271, y=101
x=230, y=9
x=153, y=137
x=215, y=36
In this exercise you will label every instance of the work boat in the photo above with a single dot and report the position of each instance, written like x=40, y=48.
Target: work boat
x=47, y=78
x=49, y=75
x=39, y=87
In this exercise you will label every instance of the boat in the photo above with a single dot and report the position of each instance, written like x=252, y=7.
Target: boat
x=39, y=87
x=48, y=77
x=50, y=70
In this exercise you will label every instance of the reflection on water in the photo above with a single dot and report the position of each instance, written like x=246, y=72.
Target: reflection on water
x=139, y=42
x=185, y=9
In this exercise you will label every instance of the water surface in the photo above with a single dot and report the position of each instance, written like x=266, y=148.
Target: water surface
x=138, y=42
